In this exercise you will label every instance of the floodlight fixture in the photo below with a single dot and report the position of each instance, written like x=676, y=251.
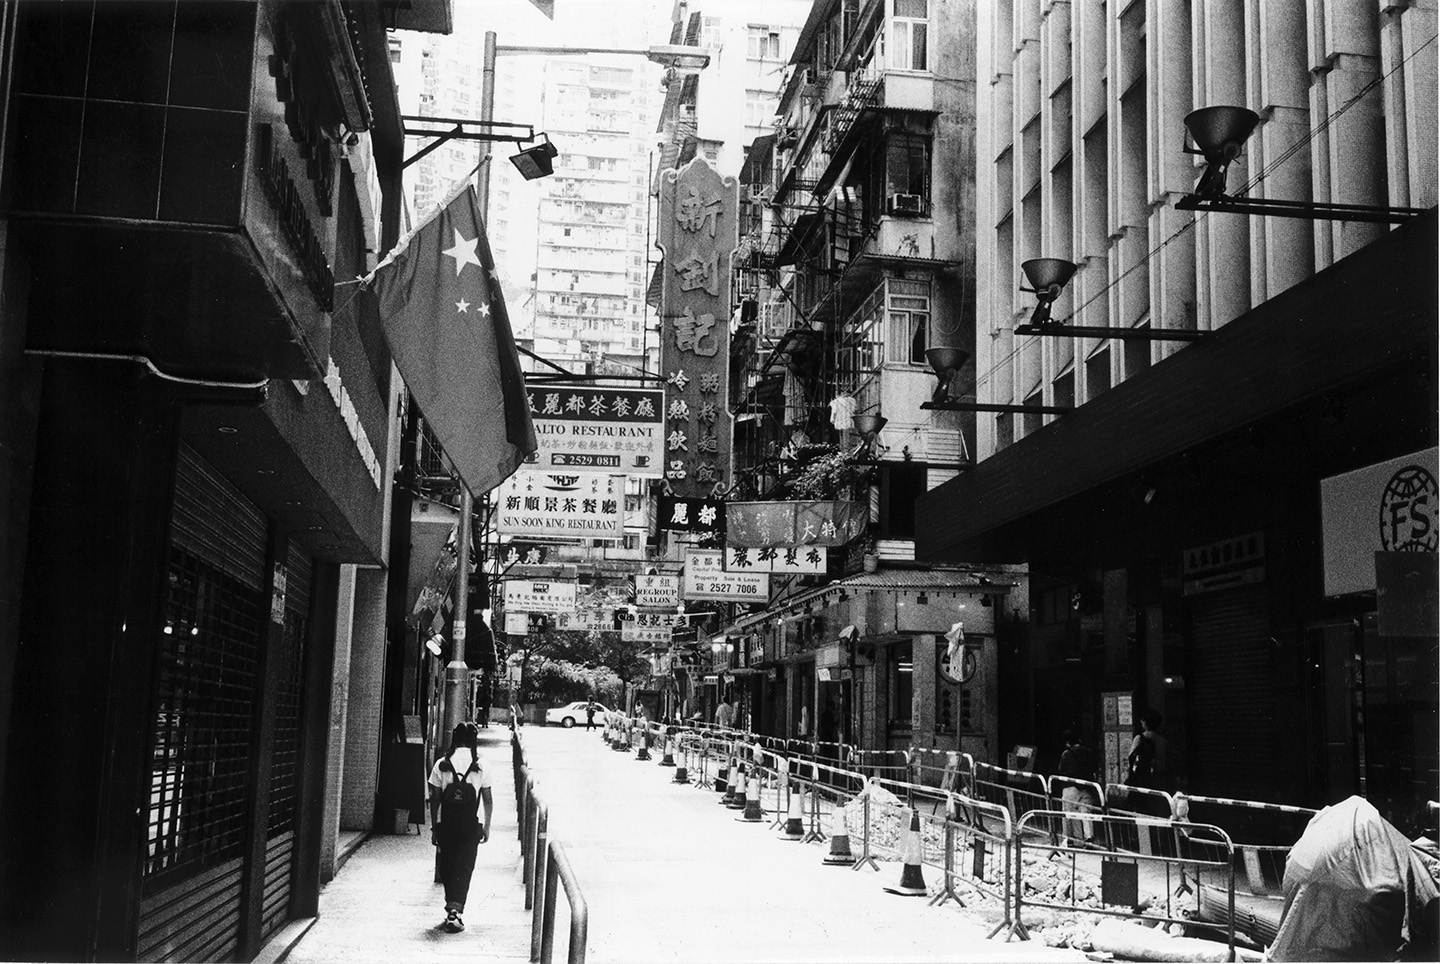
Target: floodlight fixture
x=1048, y=277
x=947, y=363
x=538, y=161
x=1219, y=134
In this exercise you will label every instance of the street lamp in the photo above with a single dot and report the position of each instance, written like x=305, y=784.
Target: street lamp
x=538, y=161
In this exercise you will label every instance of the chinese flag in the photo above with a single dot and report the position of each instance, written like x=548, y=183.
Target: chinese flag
x=443, y=315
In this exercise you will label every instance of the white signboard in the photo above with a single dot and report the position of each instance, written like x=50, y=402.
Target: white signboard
x=654, y=626
x=517, y=624
x=657, y=591
x=565, y=506
x=706, y=579
x=1387, y=507
x=786, y=560
x=585, y=619
x=620, y=431
x=539, y=596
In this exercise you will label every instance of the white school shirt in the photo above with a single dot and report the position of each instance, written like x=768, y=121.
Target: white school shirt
x=480, y=779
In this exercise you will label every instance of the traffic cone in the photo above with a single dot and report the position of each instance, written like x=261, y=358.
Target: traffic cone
x=839, y=855
x=681, y=775
x=732, y=782
x=794, y=828
x=667, y=759
x=912, y=883
x=737, y=802
x=643, y=753
x=753, y=812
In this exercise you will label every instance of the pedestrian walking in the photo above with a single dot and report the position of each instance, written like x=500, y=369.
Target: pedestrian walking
x=1078, y=763
x=459, y=784
x=1146, y=760
x=724, y=715
x=590, y=709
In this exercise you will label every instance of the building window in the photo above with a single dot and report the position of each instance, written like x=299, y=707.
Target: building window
x=908, y=306
x=759, y=108
x=908, y=28
x=763, y=44
x=902, y=691
x=907, y=174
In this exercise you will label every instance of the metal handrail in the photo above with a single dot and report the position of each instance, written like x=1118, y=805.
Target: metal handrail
x=558, y=870
x=542, y=860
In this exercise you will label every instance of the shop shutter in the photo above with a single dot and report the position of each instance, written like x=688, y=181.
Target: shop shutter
x=1230, y=732
x=285, y=764
x=206, y=686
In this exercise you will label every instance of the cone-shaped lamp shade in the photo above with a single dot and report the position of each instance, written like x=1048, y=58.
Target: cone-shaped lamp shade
x=1048, y=274
x=869, y=425
x=946, y=359
x=1219, y=131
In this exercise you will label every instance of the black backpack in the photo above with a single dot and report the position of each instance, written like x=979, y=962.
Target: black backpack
x=1142, y=762
x=459, y=821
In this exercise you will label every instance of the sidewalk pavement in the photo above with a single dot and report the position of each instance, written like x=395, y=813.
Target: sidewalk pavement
x=384, y=904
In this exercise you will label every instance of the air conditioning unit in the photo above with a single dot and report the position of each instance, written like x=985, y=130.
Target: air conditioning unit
x=906, y=204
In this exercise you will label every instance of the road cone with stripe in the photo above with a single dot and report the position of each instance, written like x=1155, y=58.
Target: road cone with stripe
x=753, y=812
x=643, y=753
x=667, y=758
x=794, y=828
x=681, y=775
x=912, y=882
x=839, y=855
x=738, y=784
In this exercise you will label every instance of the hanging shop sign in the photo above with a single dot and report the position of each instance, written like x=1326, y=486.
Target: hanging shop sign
x=650, y=627
x=517, y=624
x=585, y=620
x=785, y=561
x=523, y=554
x=698, y=231
x=705, y=516
x=539, y=596
x=583, y=506
x=1387, y=507
x=605, y=430
x=785, y=524
x=1239, y=561
x=706, y=578
x=657, y=591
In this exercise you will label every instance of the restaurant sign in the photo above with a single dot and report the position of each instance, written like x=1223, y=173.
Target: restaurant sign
x=604, y=430
x=564, y=506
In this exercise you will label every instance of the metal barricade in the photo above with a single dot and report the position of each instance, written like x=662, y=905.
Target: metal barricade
x=1072, y=795
x=1263, y=833
x=1110, y=881
x=976, y=857
x=1017, y=791
x=1144, y=838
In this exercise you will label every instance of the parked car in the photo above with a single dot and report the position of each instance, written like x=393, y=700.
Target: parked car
x=572, y=713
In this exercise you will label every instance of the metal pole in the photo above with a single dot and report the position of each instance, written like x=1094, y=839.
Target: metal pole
x=457, y=673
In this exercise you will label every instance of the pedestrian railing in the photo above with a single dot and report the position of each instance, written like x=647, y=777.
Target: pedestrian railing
x=544, y=868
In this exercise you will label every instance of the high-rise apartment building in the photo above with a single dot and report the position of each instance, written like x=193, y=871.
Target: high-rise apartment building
x=591, y=245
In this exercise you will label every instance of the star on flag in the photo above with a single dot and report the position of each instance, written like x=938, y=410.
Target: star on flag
x=463, y=252
x=462, y=306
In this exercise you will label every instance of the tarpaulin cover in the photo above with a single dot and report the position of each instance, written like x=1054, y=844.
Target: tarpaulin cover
x=1354, y=889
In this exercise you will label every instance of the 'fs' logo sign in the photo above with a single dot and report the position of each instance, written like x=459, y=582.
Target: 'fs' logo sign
x=1407, y=512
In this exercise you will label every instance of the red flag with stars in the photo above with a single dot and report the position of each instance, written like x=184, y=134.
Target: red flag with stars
x=444, y=317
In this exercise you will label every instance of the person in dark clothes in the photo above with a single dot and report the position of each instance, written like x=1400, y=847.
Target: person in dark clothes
x=1078, y=763
x=459, y=785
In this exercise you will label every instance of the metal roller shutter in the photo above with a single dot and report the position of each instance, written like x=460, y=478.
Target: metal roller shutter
x=206, y=687
x=1231, y=720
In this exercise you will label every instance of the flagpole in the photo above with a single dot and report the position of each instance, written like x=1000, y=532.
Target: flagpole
x=457, y=672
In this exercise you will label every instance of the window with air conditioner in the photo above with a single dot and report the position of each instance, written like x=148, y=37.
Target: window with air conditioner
x=909, y=28
x=907, y=174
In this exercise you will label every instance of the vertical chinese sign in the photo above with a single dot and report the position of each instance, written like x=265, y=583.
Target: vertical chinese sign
x=698, y=232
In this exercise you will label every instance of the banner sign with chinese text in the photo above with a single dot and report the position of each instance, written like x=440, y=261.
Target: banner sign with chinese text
x=567, y=506
x=698, y=231
x=705, y=578
x=649, y=627
x=522, y=554
x=657, y=591
x=606, y=430
x=539, y=596
x=585, y=619
x=782, y=524
x=705, y=516
x=786, y=561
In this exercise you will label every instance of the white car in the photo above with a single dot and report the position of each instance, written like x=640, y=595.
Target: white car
x=572, y=713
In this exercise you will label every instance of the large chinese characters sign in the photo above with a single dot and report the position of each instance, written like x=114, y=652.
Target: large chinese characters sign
x=698, y=232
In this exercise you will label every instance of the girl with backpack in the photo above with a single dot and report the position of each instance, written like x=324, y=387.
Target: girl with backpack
x=459, y=784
